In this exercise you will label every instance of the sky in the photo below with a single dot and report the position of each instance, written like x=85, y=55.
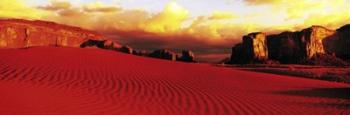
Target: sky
x=208, y=27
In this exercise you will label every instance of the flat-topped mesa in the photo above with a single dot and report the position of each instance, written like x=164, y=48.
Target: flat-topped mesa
x=314, y=38
x=17, y=33
x=291, y=47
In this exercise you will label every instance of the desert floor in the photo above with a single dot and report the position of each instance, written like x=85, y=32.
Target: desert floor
x=48, y=80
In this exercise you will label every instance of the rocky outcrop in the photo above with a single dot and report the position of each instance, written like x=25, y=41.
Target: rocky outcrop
x=126, y=49
x=164, y=54
x=252, y=50
x=238, y=55
x=255, y=46
x=18, y=33
x=287, y=47
x=342, y=47
x=104, y=44
x=314, y=39
x=187, y=56
x=141, y=53
x=15, y=33
x=292, y=47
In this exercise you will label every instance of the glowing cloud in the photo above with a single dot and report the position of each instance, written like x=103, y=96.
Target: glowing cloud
x=99, y=7
x=18, y=9
x=170, y=20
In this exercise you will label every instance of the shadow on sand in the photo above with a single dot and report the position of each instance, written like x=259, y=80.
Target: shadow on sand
x=340, y=94
x=335, y=93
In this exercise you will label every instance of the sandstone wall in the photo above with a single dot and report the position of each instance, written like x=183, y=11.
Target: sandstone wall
x=23, y=33
x=314, y=38
x=253, y=49
x=255, y=46
x=292, y=47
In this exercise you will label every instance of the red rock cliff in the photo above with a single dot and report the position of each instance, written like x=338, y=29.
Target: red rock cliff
x=314, y=38
x=15, y=33
x=252, y=50
x=291, y=47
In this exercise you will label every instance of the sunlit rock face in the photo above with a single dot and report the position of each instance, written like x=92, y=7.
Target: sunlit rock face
x=252, y=50
x=293, y=47
x=16, y=33
x=314, y=38
x=255, y=44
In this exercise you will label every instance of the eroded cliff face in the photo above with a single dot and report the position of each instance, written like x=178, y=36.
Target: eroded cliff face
x=255, y=46
x=314, y=38
x=253, y=49
x=16, y=33
x=291, y=47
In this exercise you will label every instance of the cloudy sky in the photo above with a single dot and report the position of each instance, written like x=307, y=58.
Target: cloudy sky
x=208, y=27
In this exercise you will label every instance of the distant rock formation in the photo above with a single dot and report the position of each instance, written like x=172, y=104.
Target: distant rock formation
x=187, y=56
x=109, y=44
x=126, y=49
x=18, y=33
x=93, y=43
x=15, y=33
x=164, y=54
x=292, y=47
x=141, y=53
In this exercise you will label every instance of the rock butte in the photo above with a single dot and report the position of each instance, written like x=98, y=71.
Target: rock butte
x=292, y=47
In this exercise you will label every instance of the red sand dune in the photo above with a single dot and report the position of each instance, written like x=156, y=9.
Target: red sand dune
x=47, y=80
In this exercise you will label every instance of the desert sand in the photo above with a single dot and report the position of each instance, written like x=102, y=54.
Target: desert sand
x=48, y=80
